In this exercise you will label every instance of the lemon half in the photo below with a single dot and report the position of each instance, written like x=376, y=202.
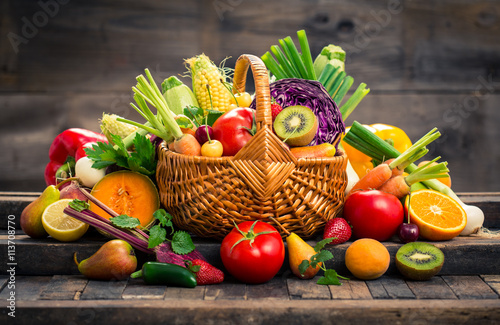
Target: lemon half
x=61, y=226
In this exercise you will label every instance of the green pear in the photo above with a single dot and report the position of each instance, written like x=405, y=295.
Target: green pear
x=31, y=217
x=115, y=260
x=299, y=250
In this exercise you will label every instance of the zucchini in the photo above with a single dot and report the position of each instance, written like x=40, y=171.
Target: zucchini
x=177, y=95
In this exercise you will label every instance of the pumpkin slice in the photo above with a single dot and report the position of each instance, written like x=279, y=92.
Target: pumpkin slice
x=127, y=192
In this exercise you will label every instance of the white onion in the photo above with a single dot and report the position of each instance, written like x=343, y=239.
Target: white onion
x=475, y=219
x=88, y=175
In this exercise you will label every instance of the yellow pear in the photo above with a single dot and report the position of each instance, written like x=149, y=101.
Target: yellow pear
x=299, y=250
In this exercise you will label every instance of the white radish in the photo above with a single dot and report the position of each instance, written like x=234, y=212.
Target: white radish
x=88, y=175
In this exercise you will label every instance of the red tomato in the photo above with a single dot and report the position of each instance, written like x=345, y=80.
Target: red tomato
x=373, y=214
x=253, y=252
x=232, y=129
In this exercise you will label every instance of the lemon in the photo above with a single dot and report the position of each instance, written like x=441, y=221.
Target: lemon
x=61, y=226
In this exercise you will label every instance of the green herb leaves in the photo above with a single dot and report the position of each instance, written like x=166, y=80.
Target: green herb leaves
x=330, y=276
x=124, y=221
x=181, y=241
x=141, y=160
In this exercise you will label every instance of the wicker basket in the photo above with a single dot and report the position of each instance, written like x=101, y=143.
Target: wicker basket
x=263, y=181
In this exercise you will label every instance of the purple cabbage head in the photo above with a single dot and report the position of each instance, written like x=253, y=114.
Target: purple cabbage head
x=312, y=94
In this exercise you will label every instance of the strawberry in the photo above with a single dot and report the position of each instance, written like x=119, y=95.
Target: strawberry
x=275, y=110
x=205, y=272
x=339, y=229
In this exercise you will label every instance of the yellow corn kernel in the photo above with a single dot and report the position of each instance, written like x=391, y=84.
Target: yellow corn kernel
x=205, y=73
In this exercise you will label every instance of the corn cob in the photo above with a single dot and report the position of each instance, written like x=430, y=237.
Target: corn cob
x=208, y=85
x=109, y=125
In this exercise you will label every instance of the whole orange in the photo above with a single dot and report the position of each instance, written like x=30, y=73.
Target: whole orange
x=367, y=259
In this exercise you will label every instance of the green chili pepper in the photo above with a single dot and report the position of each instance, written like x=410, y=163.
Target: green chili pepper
x=166, y=274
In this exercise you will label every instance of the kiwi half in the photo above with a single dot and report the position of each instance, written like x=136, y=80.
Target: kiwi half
x=296, y=125
x=419, y=260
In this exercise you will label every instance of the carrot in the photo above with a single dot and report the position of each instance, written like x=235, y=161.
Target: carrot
x=395, y=171
x=373, y=179
x=400, y=186
x=376, y=177
x=396, y=186
x=187, y=145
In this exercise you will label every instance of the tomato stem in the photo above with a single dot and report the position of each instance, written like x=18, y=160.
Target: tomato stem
x=250, y=234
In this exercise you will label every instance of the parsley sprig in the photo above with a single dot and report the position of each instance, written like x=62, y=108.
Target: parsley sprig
x=330, y=276
x=141, y=160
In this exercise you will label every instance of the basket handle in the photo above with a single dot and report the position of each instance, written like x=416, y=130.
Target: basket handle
x=263, y=115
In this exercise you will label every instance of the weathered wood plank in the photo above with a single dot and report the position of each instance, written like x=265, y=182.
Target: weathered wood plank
x=389, y=288
x=175, y=293
x=64, y=287
x=136, y=289
x=470, y=287
x=103, y=290
x=275, y=289
x=435, y=288
x=24, y=288
x=261, y=312
x=351, y=289
x=230, y=289
x=307, y=289
x=493, y=281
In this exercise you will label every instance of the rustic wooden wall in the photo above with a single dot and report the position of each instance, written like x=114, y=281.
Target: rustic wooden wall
x=428, y=63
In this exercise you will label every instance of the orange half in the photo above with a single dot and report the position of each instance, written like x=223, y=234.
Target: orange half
x=438, y=216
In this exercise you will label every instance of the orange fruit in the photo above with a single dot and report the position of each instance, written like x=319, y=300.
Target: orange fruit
x=367, y=259
x=438, y=216
x=445, y=180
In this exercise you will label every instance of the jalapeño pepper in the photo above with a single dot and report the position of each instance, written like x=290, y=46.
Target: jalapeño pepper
x=166, y=274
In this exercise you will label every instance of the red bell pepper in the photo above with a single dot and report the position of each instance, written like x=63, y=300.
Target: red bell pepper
x=69, y=143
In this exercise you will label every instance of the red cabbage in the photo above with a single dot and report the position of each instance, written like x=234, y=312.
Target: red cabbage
x=312, y=94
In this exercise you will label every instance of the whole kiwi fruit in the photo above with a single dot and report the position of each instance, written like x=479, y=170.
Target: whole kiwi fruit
x=419, y=260
x=296, y=125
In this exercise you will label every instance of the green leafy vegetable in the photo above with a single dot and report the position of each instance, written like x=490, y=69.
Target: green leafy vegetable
x=182, y=243
x=125, y=221
x=79, y=205
x=141, y=160
x=330, y=276
x=157, y=235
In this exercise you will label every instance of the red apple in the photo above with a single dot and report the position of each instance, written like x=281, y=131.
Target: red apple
x=373, y=214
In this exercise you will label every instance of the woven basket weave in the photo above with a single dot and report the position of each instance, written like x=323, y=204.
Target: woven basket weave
x=263, y=181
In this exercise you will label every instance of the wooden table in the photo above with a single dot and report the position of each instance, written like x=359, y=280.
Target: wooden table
x=49, y=290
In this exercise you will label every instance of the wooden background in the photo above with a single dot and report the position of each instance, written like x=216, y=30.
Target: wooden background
x=428, y=63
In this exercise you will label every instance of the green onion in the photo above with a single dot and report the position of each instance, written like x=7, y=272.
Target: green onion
x=344, y=88
x=273, y=66
x=306, y=54
x=333, y=84
x=295, y=56
x=328, y=71
x=354, y=100
x=283, y=61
